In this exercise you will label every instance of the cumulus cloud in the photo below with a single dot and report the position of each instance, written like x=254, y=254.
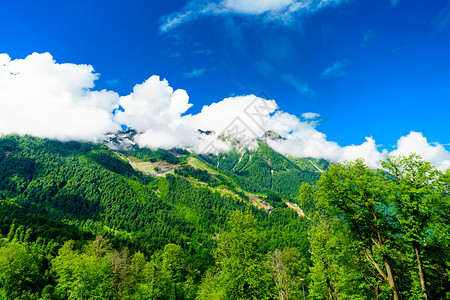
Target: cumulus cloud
x=304, y=140
x=154, y=109
x=152, y=104
x=415, y=142
x=241, y=117
x=253, y=116
x=43, y=98
x=250, y=110
x=283, y=11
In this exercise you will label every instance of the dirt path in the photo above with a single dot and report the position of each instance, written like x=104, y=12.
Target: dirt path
x=296, y=208
x=316, y=166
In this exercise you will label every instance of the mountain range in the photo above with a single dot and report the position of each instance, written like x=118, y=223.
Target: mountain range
x=111, y=220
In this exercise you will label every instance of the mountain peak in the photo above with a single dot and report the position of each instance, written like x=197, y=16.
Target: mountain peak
x=271, y=135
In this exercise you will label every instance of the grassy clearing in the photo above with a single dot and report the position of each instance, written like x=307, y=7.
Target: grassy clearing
x=256, y=201
x=196, y=163
x=148, y=168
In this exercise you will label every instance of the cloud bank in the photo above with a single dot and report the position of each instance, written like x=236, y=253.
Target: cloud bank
x=42, y=98
x=281, y=11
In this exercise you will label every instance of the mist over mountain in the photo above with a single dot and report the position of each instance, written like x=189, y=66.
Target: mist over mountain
x=47, y=99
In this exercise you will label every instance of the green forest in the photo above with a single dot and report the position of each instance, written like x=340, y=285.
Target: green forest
x=79, y=222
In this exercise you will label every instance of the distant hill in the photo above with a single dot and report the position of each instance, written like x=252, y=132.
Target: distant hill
x=264, y=170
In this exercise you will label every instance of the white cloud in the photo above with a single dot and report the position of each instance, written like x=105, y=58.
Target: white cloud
x=193, y=10
x=43, y=98
x=167, y=138
x=367, y=150
x=252, y=116
x=256, y=7
x=242, y=116
x=154, y=109
x=304, y=140
x=311, y=118
x=283, y=11
x=152, y=104
x=338, y=69
x=310, y=115
x=415, y=142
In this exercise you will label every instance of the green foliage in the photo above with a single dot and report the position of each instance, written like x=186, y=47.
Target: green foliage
x=112, y=162
x=264, y=170
x=20, y=274
x=201, y=175
x=78, y=222
x=290, y=269
x=372, y=224
x=146, y=154
x=241, y=271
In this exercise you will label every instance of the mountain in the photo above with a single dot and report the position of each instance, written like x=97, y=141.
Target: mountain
x=259, y=170
x=119, y=140
x=81, y=220
x=263, y=170
x=271, y=135
x=138, y=198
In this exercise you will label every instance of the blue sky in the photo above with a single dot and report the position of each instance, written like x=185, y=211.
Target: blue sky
x=369, y=68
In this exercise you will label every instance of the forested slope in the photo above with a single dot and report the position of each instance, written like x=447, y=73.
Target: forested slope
x=79, y=222
x=264, y=170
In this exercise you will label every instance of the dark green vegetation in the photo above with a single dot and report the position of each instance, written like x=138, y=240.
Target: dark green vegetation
x=266, y=170
x=380, y=233
x=78, y=222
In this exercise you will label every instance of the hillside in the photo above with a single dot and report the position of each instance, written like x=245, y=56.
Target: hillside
x=88, y=189
x=264, y=170
x=79, y=220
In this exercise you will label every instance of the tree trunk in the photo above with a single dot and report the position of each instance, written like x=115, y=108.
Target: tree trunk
x=330, y=289
x=390, y=278
x=423, y=284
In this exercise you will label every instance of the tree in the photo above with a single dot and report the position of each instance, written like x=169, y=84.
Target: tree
x=241, y=271
x=358, y=192
x=19, y=271
x=174, y=264
x=120, y=262
x=414, y=188
x=289, y=270
x=88, y=274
